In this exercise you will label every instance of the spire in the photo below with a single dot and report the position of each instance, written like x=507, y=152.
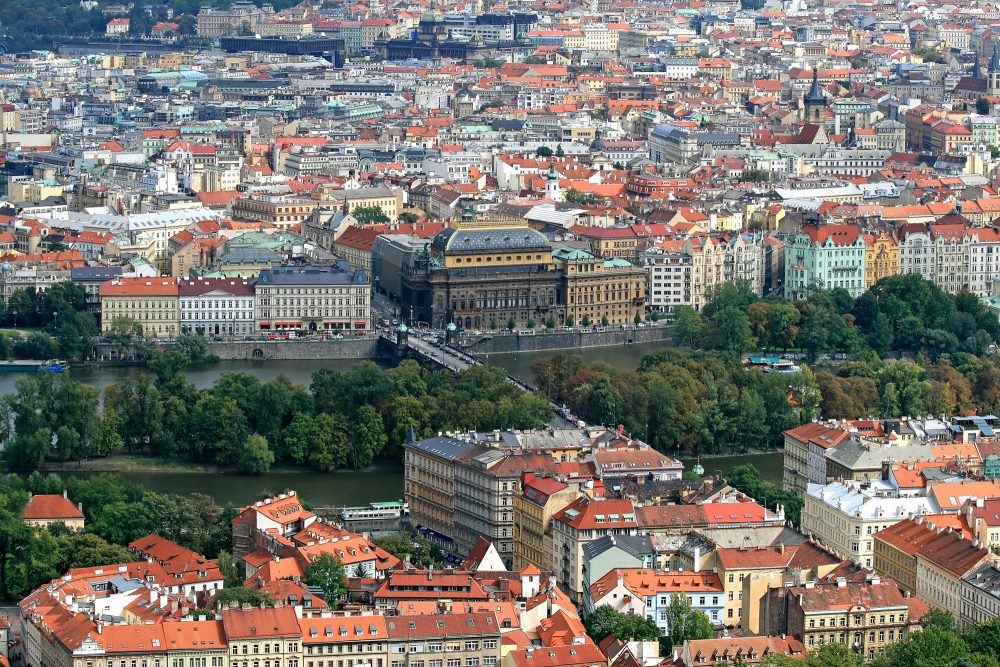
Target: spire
x=995, y=60
x=977, y=70
x=553, y=176
x=815, y=94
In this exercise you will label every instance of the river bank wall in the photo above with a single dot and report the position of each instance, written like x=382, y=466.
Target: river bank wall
x=543, y=341
x=368, y=347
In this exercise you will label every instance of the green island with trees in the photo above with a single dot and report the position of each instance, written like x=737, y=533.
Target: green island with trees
x=240, y=423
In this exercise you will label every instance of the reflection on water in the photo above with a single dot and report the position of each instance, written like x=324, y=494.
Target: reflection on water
x=336, y=489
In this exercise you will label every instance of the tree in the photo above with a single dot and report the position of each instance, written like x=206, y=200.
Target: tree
x=931, y=647
x=419, y=550
x=124, y=333
x=585, y=321
x=605, y=404
x=827, y=655
x=327, y=573
x=370, y=215
x=229, y=567
x=241, y=595
x=983, y=106
x=601, y=622
x=255, y=457
x=543, y=151
x=684, y=622
x=688, y=327
x=192, y=346
x=36, y=345
x=605, y=621
x=939, y=618
x=367, y=437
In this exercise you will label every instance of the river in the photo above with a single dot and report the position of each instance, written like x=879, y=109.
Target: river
x=384, y=482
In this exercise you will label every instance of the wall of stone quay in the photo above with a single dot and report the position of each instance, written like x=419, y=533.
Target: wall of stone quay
x=563, y=340
x=346, y=348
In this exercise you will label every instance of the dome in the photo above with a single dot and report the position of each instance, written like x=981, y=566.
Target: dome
x=477, y=40
x=452, y=327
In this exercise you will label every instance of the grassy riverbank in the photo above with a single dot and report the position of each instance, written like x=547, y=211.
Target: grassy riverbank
x=133, y=463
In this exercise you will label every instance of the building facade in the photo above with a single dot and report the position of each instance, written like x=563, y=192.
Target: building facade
x=217, y=306
x=331, y=298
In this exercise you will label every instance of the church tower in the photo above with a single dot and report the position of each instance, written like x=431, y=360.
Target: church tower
x=552, y=189
x=993, y=74
x=814, y=101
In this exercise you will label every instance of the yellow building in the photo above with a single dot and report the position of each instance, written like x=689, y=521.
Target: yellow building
x=387, y=199
x=533, y=509
x=43, y=510
x=27, y=191
x=279, y=211
x=881, y=258
x=596, y=289
x=865, y=615
x=747, y=573
x=152, y=302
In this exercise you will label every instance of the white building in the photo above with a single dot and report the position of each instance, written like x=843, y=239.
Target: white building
x=217, y=306
x=844, y=516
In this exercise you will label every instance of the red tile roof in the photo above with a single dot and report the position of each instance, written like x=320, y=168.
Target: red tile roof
x=54, y=506
x=266, y=622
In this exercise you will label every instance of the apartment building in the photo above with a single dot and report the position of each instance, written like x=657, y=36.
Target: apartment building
x=850, y=607
x=824, y=257
x=269, y=636
x=217, y=306
x=650, y=593
x=13, y=279
x=313, y=298
x=582, y=521
x=745, y=650
x=152, y=302
x=282, y=515
x=444, y=640
x=846, y=515
x=805, y=454
x=44, y=509
x=748, y=573
x=929, y=561
x=669, y=271
x=980, y=594
x=429, y=486
x=351, y=640
x=279, y=211
x=881, y=257
x=486, y=481
x=532, y=510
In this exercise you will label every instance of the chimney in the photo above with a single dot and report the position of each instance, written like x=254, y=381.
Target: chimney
x=697, y=559
x=64, y=494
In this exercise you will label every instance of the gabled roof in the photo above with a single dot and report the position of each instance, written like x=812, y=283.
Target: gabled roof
x=50, y=506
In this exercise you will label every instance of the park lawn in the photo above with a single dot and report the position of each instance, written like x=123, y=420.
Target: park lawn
x=19, y=331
